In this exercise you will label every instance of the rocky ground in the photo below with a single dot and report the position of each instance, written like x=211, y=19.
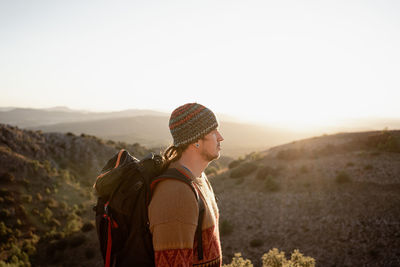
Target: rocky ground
x=335, y=198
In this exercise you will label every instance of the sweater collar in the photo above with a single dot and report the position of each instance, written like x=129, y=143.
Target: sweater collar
x=184, y=170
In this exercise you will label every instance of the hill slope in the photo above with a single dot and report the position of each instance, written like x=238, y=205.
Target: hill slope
x=46, y=196
x=153, y=131
x=335, y=198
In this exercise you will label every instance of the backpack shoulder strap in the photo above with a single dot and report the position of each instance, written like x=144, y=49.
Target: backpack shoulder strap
x=173, y=173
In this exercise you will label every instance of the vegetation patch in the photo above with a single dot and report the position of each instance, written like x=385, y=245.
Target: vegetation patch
x=265, y=171
x=243, y=170
x=271, y=185
x=235, y=163
x=275, y=258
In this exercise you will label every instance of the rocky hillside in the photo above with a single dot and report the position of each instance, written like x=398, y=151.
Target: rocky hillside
x=46, y=196
x=336, y=198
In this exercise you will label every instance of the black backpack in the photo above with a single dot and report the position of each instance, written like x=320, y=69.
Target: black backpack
x=124, y=189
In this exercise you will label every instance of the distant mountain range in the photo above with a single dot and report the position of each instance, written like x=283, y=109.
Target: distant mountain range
x=29, y=117
x=150, y=128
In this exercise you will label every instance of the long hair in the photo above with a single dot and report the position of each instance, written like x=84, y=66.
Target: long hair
x=172, y=154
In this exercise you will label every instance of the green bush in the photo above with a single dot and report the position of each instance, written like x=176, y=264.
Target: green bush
x=89, y=226
x=235, y=163
x=270, y=184
x=275, y=258
x=342, y=178
x=5, y=232
x=243, y=170
x=265, y=171
x=225, y=228
x=238, y=261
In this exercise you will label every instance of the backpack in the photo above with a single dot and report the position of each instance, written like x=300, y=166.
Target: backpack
x=124, y=189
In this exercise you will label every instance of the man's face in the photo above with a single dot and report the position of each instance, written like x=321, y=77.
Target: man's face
x=210, y=145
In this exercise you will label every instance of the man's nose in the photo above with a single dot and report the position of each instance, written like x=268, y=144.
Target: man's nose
x=220, y=138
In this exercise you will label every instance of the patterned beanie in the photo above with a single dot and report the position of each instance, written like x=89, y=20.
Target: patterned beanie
x=190, y=122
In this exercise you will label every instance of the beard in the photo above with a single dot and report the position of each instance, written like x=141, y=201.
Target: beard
x=210, y=156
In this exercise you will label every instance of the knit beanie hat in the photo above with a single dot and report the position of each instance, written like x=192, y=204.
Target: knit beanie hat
x=190, y=122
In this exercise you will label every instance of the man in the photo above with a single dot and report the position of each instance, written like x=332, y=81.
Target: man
x=174, y=210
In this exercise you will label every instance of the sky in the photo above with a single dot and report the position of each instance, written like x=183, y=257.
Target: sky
x=288, y=62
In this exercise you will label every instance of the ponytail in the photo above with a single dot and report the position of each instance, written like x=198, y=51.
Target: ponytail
x=172, y=154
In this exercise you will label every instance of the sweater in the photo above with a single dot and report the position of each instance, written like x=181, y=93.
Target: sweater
x=173, y=216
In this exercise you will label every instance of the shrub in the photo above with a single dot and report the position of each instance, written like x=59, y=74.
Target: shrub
x=275, y=258
x=89, y=226
x=26, y=198
x=54, y=222
x=271, y=185
x=256, y=242
x=243, y=170
x=211, y=170
x=4, y=214
x=238, y=261
x=235, y=163
x=225, y=228
x=5, y=232
x=297, y=259
x=47, y=215
x=265, y=171
x=290, y=154
x=35, y=211
x=342, y=178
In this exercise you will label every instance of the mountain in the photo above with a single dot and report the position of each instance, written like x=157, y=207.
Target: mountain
x=153, y=131
x=28, y=117
x=335, y=198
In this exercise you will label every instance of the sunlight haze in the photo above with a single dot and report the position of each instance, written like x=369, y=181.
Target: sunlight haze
x=298, y=63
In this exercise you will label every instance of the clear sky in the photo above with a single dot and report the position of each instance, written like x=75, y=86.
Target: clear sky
x=271, y=61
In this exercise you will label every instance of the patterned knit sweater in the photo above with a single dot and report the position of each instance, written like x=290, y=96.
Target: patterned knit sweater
x=173, y=215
